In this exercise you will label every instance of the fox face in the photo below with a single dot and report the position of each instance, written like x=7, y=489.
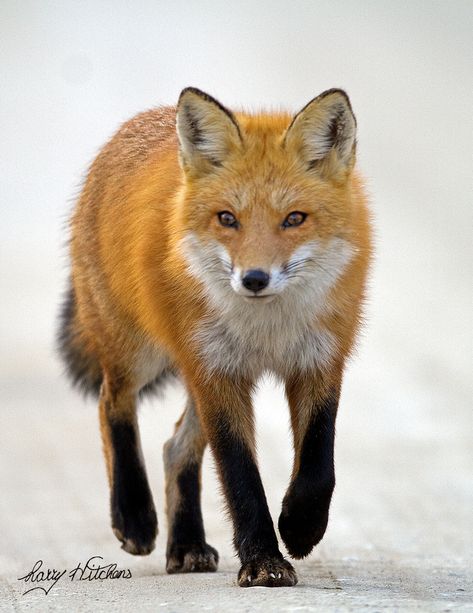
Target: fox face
x=265, y=204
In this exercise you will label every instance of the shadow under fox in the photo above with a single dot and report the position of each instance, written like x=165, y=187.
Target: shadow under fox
x=218, y=246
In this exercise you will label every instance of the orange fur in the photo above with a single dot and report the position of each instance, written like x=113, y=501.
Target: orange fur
x=130, y=279
x=141, y=304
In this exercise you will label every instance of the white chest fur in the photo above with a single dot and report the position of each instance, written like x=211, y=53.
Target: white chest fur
x=266, y=341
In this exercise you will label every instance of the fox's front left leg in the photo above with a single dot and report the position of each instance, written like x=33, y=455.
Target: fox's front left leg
x=134, y=519
x=305, y=507
x=225, y=409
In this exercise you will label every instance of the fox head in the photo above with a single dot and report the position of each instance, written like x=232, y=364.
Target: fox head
x=266, y=203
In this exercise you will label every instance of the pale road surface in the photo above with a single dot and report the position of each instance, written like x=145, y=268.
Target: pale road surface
x=399, y=537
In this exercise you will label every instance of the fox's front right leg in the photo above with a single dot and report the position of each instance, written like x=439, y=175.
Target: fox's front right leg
x=134, y=519
x=225, y=409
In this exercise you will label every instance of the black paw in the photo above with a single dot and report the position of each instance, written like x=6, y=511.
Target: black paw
x=191, y=559
x=268, y=572
x=303, y=521
x=136, y=531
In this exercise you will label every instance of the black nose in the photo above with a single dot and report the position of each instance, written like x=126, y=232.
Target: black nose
x=255, y=280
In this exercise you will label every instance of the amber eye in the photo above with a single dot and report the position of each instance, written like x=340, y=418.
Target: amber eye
x=294, y=219
x=227, y=219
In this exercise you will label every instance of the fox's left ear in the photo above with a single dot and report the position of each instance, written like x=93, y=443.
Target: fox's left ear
x=206, y=130
x=323, y=133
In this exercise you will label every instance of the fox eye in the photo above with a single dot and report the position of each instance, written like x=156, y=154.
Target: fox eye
x=227, y=219
x=294, y=219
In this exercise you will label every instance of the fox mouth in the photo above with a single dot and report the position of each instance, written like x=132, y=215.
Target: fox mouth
x=262, y=299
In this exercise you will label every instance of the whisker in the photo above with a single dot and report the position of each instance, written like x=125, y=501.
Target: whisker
x=294, y=264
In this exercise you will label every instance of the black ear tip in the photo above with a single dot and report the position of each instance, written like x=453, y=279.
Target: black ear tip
x=335, y=91
x=200, y=94
x=338, y=92
x=207, y=98
x=191, y=90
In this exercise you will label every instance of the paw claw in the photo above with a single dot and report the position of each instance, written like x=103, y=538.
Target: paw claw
x=192, y=559
x=137, y=535
x=269, y=572
x=134, y=526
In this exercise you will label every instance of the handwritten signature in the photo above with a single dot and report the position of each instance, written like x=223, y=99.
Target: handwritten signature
x=92, y=570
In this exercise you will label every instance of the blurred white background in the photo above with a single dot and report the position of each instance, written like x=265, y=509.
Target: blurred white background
x=71, y=72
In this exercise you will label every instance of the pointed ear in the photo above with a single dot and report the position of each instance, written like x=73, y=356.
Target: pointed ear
x=206, y=130
x=323, y=133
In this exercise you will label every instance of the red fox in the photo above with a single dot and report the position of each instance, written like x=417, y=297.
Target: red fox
x=218, y=246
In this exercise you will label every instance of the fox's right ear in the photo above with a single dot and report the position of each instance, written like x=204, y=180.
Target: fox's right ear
x=206, y=130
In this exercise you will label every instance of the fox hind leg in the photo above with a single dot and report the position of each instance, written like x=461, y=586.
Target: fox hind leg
x=187, y=550
x=133, y=514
